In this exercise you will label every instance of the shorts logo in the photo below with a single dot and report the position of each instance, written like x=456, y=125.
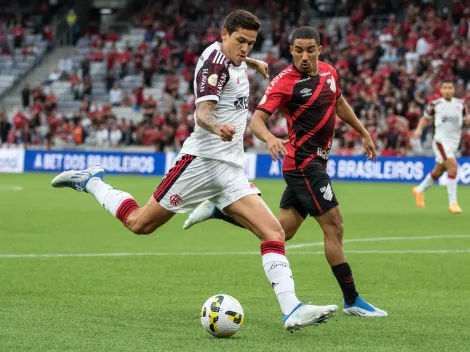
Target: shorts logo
x=327, y=192
x=306, y=92
x=175, y=199
x=212, y=80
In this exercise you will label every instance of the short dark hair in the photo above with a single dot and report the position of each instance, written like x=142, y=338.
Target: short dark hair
x=447, y=81
x=241, y=19
x=305, y=33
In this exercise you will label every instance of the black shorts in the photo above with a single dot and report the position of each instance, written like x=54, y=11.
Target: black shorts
x=309, y=191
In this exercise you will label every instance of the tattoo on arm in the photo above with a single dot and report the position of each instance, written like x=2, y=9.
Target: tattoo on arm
x=251, y=63
x=204, y=117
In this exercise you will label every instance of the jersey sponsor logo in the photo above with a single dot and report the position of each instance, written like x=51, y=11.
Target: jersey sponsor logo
x=203, y=83
x=327, y=192
x=303, y=80
x=454, y=119
x=241, y=103
x=325, y=73
x=212, y=80
x=277, y=78
x=323, y=153
x=221, y=83
x=175, y=199
x=306, y=92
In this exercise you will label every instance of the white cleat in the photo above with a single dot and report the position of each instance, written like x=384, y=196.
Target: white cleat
x=361, y=308
x=203, y=212
x=307, y=314
x=77, y=179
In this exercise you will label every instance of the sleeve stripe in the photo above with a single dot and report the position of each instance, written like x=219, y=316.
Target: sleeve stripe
x=265, y=111
x=219, y=58
x=206, y=98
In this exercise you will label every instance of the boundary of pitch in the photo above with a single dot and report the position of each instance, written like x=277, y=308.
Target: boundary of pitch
x=300, y=245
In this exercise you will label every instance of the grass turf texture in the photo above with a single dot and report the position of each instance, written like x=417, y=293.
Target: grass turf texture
x=152, y=303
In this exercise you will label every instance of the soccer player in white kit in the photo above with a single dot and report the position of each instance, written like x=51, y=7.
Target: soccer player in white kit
x=449, y=115
x=210, y=167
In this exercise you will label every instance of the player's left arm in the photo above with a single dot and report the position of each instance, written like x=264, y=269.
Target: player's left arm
x=260, y=66
x=345, y=113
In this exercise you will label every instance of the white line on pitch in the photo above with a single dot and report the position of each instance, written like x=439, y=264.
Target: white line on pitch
x=10, y=188
x=188, y=254
x=199, y=254
x=378, y=239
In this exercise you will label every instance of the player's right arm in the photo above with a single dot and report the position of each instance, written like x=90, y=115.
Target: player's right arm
x=271, y=100
x=206, y=120
x=210, y=81
x=424, y=120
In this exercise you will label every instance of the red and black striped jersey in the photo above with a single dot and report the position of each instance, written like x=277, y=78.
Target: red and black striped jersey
x=308, y=103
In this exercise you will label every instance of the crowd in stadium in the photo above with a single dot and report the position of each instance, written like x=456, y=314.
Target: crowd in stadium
x=390, y=62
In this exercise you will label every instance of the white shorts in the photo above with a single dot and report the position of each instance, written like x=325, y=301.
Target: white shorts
x=194, y=179
x=444, y=150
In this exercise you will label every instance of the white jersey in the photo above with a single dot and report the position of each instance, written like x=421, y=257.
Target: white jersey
x=217, y=79
x=448, y=118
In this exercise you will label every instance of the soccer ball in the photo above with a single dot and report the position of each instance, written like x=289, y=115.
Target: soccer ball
x=222, y=315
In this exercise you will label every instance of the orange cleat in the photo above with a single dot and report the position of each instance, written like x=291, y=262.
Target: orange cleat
x=455, y=208
x=419, y=198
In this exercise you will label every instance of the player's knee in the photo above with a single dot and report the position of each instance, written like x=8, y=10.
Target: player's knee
x=289, y=234
x=452, y=170
x=138, y=226
x=275, y=234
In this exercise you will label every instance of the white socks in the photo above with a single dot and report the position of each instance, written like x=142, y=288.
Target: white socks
x=120, y=204
x=426, y=183
x=452, y=189
x=277, y=269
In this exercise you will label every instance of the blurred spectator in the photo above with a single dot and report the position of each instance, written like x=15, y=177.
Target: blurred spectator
x=115, y=95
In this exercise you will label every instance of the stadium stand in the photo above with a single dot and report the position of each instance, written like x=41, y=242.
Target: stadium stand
x=135, y=88
x=24, y=38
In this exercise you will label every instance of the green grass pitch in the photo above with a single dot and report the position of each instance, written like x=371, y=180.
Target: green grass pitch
x=152, y=302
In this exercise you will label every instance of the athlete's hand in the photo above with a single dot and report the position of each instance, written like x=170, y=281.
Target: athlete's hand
x=262, y=69
x=225, y=132
x=276, y=147
x=417, y=134
x=369, y=147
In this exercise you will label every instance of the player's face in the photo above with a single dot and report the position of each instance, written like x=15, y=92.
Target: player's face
x=305, y=53
x=237, y=45
x=447, y=90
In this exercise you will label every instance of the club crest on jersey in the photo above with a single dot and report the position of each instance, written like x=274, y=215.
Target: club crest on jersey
x=332, y=84
x=212, y=80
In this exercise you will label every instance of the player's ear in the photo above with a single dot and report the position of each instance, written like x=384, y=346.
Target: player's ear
x=319, y=49
x=292, y=50
x=224, y=34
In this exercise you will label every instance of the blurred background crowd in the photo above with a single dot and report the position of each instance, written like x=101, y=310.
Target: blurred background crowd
x=134, y=87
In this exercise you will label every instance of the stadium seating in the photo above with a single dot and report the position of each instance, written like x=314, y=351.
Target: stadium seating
x=387, y=83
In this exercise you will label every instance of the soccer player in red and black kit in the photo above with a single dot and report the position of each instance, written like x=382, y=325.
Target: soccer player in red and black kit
x=309, y=95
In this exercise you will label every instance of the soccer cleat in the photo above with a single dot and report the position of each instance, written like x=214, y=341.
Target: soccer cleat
x=419, y=198
x=203, y=212
x=361, y=308
x=307, y=314
x=77, y=179
x=455, y=208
